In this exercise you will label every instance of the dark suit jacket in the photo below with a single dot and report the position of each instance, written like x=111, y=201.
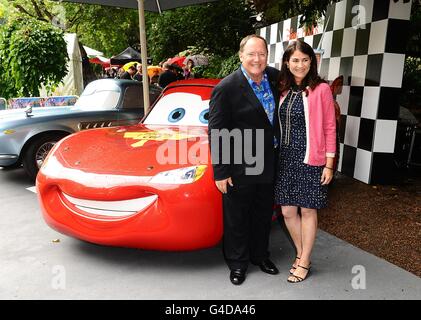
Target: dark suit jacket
x=234, y=105
x=166, y=78
x=126, y=76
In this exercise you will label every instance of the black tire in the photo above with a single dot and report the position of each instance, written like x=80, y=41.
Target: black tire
x=16, y=165
x=37, y=151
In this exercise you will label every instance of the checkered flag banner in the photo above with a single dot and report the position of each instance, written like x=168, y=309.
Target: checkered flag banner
x=364, y=41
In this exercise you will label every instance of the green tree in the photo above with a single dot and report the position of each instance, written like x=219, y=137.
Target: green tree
x=411, y=82
x=54, y=12
x=206, y=27
x=277, y=10
x=32, y=53
x=110, y=30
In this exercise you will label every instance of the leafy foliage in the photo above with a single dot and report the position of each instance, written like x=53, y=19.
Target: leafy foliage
x=229, y=65
x=219, y=67
x=107, y=29
x=211, y=70
x=3, y=13
x=110, y=30
x=44, y=10
x=411, y=83
x=32, y=53
x=206, y=27
x=214, y=29
x=277, y=10
x=413, y=47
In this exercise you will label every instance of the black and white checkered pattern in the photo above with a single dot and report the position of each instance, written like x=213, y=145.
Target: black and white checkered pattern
x=364, y=40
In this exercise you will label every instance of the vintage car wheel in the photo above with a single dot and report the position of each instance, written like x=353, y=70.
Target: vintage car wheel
x=13, y=166
x=37, y=152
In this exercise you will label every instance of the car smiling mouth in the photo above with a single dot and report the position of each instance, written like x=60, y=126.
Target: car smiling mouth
x=108, y=210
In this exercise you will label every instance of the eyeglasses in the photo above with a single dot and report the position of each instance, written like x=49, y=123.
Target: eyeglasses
x=259, y=55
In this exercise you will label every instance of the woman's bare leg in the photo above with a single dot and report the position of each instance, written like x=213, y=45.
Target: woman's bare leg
x=308, y=237
x=293, y=224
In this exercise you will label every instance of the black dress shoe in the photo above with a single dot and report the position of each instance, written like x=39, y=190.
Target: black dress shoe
x=237, y=276
x=268, y=267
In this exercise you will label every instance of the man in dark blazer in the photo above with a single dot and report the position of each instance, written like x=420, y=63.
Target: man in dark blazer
x=169, y=75
x=128, y=75
x=243, y=136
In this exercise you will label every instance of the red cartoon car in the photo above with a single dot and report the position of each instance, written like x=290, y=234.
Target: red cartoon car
x=145, y=186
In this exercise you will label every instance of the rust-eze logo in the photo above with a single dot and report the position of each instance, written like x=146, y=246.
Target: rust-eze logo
x=144, y=137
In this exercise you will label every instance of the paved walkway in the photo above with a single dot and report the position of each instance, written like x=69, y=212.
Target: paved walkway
x=34, y=267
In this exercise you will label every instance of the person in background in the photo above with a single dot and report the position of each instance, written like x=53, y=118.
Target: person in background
x=188, y=70
x=307, y=150
x=128, y=75
x=138, y=75
x=154, y=80
x=120, y=72
x=167, y=76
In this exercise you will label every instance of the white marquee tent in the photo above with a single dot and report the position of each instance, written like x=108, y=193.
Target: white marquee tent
x=72, y=83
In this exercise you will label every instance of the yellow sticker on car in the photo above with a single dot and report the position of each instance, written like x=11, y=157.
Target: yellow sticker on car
x=144, y=137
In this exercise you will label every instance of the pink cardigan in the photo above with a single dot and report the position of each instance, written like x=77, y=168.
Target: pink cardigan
x=319, y=112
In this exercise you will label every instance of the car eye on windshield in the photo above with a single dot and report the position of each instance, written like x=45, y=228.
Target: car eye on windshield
x=204, y=116
x=176, y=115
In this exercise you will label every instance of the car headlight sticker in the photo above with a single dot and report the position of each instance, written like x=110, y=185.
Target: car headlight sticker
x=180, y=176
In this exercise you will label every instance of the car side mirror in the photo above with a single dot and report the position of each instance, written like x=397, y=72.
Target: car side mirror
x=28, y=111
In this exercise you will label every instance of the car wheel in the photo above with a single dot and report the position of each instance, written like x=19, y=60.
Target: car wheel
x=16, y=165
x=37, y=152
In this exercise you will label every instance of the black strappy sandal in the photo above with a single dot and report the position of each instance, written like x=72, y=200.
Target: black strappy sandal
x=292, y=267
x=297, y=278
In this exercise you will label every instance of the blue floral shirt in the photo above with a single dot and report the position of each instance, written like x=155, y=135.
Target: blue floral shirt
x=263, y=93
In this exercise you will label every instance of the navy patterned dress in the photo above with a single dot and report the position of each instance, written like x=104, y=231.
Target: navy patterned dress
x=297, y=183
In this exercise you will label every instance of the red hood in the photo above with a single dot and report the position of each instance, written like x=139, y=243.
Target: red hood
x=141, y=150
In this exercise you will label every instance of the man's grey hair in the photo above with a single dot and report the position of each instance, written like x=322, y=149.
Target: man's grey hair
x=251, y=36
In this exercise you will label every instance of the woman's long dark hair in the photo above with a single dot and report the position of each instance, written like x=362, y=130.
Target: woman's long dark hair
x=312, y=78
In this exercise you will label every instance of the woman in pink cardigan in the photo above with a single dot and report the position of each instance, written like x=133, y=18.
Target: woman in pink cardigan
x=307, y=150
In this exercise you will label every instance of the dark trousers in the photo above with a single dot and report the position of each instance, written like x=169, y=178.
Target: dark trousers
x=248, y=210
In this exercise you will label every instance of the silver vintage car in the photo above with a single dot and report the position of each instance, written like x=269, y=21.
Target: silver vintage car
x=27, y=135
